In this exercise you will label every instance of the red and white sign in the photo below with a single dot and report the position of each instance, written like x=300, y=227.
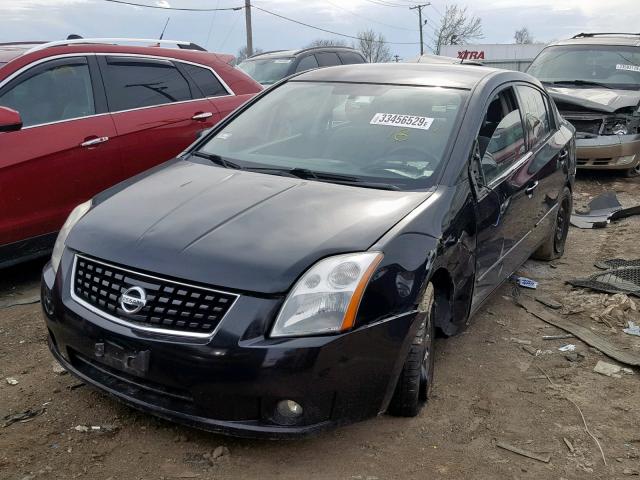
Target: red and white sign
x=471, y=54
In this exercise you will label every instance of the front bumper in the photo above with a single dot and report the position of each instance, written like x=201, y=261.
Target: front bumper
x=230, y=383
x=608, y=152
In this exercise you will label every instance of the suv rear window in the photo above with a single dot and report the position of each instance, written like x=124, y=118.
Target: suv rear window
x=140, y=82
x=350, y=58
x=205, y=80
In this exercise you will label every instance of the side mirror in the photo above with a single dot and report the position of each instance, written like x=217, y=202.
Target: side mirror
x=10, y=120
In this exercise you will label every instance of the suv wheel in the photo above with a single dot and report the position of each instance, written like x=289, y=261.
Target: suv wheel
x=553, y=246
x=416, y=379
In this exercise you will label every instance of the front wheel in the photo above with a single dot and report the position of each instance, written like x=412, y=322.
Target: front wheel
x=553, y=246
x=416, y=379
x=633, y=172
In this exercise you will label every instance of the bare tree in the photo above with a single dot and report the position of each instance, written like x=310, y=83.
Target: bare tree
x=523, y=36
x=373, y=46
x=242, y=53
x=456, y=27
x=327, y=42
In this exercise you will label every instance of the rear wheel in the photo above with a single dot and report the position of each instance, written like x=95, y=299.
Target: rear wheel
x=553, y=247
x=416, y=379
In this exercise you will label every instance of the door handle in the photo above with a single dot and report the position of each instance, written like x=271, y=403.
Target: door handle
x=94, y=141
x=529, y=190
x=202, y=116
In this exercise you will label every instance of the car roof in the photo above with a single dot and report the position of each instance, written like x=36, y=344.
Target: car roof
x=421, y=74
x=618, y=39
x=20, y=54
x=293, y=53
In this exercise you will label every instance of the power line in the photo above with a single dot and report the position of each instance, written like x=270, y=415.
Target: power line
x=385, y=3
x=324, y=29
x=369, y=19
x=133, y=4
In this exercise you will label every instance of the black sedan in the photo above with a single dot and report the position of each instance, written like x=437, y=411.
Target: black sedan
x=287, y=273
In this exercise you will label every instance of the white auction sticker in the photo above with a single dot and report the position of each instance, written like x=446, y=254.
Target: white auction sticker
x=398, y=120
x=630, y=68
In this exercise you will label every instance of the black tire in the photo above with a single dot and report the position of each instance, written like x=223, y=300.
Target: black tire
x=416, y=379
x=633, y=172
x=553, y=246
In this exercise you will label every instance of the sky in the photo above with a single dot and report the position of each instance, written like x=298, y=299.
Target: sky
x=224, y=31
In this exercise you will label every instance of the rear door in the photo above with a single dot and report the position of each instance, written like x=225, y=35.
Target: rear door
x=504, y=208
x=212, y=87
x=550, y=155
x=63, y=155
x=156, y=108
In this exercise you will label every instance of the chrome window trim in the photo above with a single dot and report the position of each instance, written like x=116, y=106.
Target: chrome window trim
x=135, y=326
x=230, y=92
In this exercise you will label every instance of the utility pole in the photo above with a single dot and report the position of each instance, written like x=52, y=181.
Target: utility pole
x=420, y=23
x=396, y=57
x=247, y=19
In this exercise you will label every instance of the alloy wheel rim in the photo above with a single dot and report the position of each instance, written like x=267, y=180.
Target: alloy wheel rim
x=560, y=224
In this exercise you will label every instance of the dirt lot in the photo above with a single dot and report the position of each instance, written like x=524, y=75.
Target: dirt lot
x=488, y=389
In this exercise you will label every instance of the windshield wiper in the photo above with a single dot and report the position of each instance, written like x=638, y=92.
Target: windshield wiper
x=218, y=160
x=307, y=174
x=580, y=82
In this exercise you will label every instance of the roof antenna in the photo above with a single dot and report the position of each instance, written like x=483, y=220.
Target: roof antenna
x=165, y=27
x=74, y=36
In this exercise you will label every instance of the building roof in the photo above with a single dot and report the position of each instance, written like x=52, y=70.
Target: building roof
x=9, y=51
x=454, y=76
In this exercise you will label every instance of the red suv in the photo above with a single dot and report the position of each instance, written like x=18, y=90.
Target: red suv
x=78, y=116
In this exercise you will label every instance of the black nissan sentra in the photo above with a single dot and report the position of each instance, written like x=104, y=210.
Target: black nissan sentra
x=288, y=272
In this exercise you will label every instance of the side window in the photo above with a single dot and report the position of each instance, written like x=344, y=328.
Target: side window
x=307, y=63
x=206, y=81
x=328, y=59
x=140, y=82
x=535, y=113
x=61, y=92
x=501, y=137
x=350, y=58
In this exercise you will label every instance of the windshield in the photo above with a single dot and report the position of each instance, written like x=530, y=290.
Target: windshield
x=613, y=66
x=266, y=71
x=386, y=134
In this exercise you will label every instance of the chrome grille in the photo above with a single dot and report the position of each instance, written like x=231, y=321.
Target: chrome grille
x=171, y=306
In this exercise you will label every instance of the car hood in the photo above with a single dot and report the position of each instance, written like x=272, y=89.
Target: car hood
x=235, y=229
x=600, y=99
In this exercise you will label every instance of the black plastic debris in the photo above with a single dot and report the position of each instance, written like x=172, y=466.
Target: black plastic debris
x=617, y=263
x=602, y=209
x=22, y=416
x=623, y=279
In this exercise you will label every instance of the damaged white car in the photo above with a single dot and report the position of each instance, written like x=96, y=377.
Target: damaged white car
x=594, y=79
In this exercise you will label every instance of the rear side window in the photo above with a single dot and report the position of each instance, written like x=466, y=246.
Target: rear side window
x=60, y=92
x=307, y=63
x=205, y=80
x=135, y=83
x=350, y=57
x=535, y=114
x=327, y=59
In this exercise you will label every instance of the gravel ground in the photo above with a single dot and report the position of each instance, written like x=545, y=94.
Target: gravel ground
x=488, y=389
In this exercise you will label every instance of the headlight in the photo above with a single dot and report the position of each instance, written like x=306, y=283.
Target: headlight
x=620, y=129
x=327, y=297
x=73, y=218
